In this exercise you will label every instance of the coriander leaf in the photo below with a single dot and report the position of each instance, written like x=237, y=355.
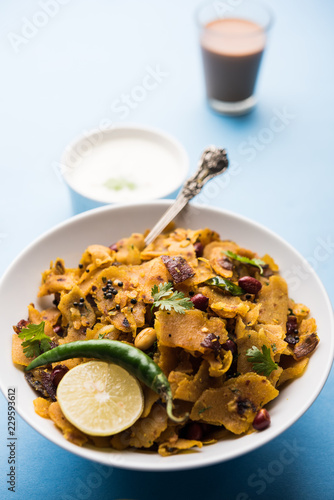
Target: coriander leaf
x=245, y=260
x=45, y=344
x=166, y=299
x=35, y=340
x=31, y=349
x=261, y=361
x=225, y=284
x=163, y=290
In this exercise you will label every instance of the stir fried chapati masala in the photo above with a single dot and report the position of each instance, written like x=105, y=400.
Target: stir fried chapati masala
x=214, y=317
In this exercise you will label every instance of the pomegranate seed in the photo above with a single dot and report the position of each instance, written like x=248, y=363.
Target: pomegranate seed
x=200, y=301
x=261, y=420
x=249, y=284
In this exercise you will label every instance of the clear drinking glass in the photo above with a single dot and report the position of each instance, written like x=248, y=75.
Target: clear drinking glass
x=233, y=36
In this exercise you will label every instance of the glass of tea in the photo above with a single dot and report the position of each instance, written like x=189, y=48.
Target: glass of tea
x=233, y=35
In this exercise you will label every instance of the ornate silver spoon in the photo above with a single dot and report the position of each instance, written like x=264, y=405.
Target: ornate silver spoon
x=212, y=162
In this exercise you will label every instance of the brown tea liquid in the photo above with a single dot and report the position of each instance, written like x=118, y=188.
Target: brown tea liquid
x=232, y=50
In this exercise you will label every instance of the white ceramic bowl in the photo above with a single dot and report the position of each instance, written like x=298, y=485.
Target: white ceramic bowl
x=107, y=224
x=154, y=164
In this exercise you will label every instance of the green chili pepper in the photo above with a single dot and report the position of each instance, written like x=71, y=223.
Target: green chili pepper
x=127, y=356
x=225, y=284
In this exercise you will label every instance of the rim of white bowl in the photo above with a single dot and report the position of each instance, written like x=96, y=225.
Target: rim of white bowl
x=192, y=461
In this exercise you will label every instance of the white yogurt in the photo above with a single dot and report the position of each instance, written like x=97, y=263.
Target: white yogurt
x=125, y=164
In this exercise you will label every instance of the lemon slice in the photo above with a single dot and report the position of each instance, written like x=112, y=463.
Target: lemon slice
x=100, y=398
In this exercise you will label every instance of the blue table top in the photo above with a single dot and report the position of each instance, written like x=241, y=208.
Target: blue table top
x=65, y=72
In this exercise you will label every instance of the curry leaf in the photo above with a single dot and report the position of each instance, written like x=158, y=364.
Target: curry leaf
x=245, y=260
x=225, y=284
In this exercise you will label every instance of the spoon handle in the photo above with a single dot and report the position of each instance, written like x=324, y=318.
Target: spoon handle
x=212, y=162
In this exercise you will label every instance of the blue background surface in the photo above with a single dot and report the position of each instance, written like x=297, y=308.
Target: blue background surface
x=67, y=78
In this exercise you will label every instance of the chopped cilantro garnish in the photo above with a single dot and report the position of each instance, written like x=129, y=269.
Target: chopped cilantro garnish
x=35, y=340
x=261, y=361
x=167, y=299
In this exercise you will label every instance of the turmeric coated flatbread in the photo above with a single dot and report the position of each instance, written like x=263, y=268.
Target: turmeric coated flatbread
x=226, y=344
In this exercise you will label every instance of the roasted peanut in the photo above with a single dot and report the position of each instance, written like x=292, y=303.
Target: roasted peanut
x=145, y=339
x=198, y=247
x=261, y=420
x=250, y=285
x=200, y=301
